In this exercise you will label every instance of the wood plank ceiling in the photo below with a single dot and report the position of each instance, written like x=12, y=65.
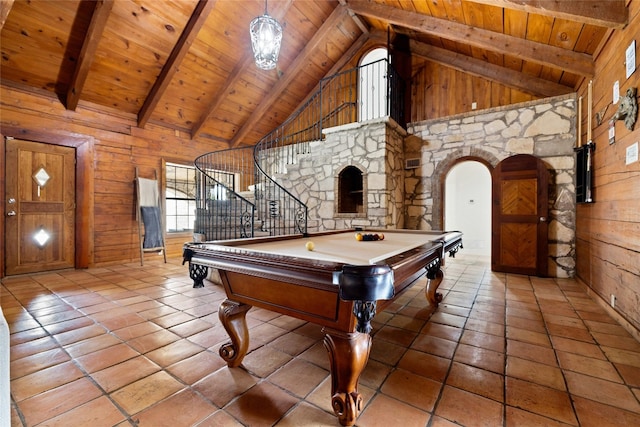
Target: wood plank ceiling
x=187, y=64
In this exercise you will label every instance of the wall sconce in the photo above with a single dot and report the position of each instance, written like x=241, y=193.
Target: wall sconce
x=266, y=37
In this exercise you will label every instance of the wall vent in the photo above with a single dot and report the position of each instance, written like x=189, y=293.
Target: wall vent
x=412, y=163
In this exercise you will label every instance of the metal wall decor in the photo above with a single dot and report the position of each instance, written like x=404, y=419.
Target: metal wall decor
x=628, y=108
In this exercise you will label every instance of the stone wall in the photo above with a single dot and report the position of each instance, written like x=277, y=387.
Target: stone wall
x=376, y=148
x=544, y=128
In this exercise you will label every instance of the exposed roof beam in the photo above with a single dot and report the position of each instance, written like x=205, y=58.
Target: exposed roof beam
x=234, y=77
x=5, y=8
x=528, y=84
x=603, y=13
x=359, y=22
x=190, y=32
x=101, y=11
x=291, y=73
x=551, y=56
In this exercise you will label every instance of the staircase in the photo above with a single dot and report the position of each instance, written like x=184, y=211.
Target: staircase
x=238, y=195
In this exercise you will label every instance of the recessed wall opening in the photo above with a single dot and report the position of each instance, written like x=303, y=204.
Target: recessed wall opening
x=468, y=205
x=350, y=191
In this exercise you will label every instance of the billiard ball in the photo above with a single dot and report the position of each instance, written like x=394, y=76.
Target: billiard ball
x=359, y=237
x=309, y=245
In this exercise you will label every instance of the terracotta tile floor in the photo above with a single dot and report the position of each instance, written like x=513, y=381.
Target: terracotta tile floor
x=138, y=346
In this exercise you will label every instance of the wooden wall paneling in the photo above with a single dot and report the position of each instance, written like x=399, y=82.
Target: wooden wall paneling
x=442, y=95
x=440, y=91
x=440, y=88
x=500, y=95
x=583, y=242
x=431, y=89
x=469, y=96
x=608, y=231
x=610, y=278
x=517, y=96
x=465, y=93
x=482, y=92
x=417, y=90
x=51, y=111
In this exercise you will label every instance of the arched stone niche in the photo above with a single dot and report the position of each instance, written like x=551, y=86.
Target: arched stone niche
x=350, y=188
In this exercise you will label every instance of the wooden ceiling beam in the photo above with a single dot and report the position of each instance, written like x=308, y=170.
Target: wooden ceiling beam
x=101, y=12
x=359, y=21
x=551, y=56
x=505, y=76
x=179, y=51
x=234, y=77
x=291, y=73
x=602, y=13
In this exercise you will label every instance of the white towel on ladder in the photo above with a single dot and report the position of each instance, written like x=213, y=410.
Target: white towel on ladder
x=148, y=192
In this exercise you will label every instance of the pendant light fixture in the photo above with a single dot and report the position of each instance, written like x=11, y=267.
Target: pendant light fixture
x=266, y=36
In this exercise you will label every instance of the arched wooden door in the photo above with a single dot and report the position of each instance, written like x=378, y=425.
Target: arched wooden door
x=519, y=242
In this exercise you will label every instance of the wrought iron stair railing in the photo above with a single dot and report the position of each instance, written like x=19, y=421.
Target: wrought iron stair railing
x=223, y=210
x=238, y=191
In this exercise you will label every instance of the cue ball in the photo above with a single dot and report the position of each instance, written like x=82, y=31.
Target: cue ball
x=309, y=245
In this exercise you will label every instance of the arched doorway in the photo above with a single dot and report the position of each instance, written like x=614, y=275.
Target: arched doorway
x=467, y=205
x=350, y=191
x=372, y=87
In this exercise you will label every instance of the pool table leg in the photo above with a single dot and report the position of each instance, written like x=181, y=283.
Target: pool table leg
x=434, y=278
x=232, y=315
x=348, y=355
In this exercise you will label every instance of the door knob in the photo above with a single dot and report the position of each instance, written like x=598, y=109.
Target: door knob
x=543, y=219
x=11, y=200
x=11, y=213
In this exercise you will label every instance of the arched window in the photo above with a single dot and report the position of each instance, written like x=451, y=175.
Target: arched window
x=372, y=87
x=350, y=191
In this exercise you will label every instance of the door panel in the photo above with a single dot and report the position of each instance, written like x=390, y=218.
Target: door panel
x=519, y=216
x=40, y=191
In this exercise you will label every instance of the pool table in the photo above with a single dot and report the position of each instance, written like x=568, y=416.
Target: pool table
x=339, y=284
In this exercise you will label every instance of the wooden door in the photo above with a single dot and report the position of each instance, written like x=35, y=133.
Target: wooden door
x=40, y=207
x=519, y=216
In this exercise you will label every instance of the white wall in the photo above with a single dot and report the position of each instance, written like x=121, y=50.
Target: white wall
x=468, y=205
x=5, y=402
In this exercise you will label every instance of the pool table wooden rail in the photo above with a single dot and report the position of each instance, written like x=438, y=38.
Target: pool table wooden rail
x=303, y=288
